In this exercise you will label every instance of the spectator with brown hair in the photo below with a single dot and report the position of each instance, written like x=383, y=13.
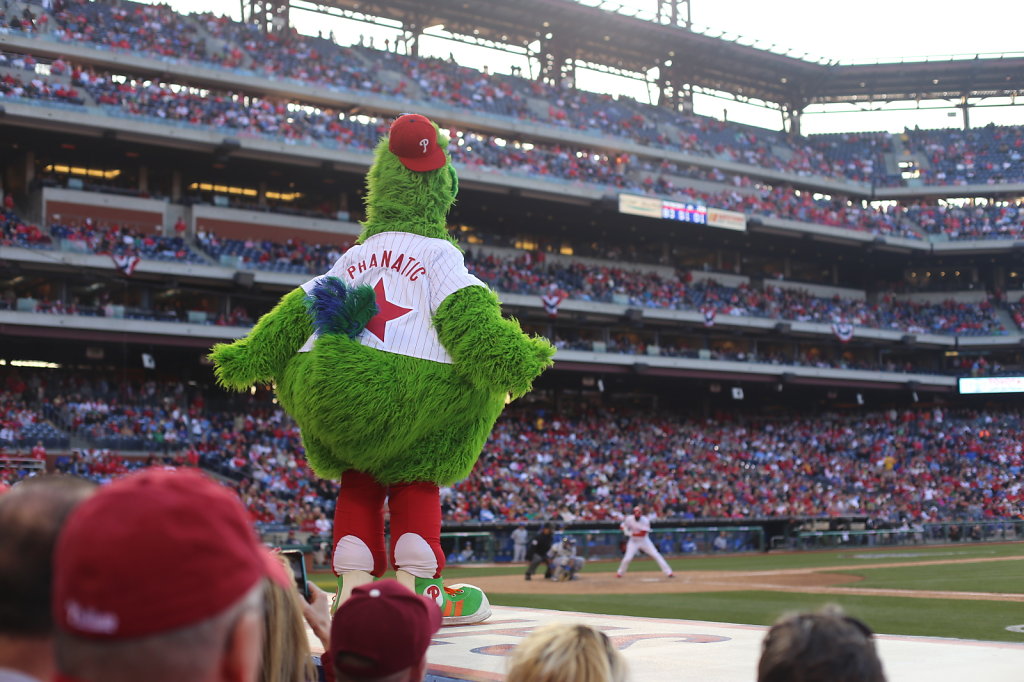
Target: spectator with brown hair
x=566, y=652
x=31, y=516
x=159, y=576
x=381, y=634
x=826, y=646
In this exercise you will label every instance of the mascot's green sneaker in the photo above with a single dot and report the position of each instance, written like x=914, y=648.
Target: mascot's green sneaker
x=460, y=604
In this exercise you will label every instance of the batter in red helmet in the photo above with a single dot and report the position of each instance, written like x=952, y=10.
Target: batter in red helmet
x=638, y=529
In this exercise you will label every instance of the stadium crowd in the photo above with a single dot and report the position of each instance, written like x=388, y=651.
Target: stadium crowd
x=581, y=463
x=948, y=156
x=1004, y=220
x=321, y=61
x=532, y=274
x=123, y=241
x=238, y=113
x=520, y=273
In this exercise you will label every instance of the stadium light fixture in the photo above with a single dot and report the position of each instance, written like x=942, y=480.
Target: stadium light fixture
x=35, y=364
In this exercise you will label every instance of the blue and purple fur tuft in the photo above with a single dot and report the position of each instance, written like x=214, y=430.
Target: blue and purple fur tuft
x=337, y=308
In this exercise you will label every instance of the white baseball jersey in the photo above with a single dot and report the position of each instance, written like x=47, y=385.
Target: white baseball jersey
x=635, y=527
x=411, y=276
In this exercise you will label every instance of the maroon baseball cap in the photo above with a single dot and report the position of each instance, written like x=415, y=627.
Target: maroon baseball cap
x=153, y=552
x=387, y=625
x=413, y=140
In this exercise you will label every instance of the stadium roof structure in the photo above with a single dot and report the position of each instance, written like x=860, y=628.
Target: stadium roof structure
x=623, y=43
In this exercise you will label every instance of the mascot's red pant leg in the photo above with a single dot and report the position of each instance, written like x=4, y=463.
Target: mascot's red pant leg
x=416, y=529
x=359, y=525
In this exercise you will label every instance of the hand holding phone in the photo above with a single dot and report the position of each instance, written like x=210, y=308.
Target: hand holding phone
x=297, y=562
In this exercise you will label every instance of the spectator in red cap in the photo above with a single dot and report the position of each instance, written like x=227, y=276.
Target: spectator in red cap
x=159, y=576
x=381, y=634
x=31, y=515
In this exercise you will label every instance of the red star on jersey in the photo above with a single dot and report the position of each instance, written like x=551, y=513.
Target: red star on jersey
x=386, y=311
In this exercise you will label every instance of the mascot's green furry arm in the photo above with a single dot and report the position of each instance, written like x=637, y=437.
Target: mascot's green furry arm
x=260, y=357
x=490, y=351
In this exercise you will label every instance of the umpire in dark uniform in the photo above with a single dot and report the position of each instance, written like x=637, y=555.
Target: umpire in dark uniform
x=537, y=552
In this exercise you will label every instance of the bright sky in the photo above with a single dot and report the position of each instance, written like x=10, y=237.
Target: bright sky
x=865, y=30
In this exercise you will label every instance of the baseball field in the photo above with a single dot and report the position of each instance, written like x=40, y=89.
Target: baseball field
x=967, y=591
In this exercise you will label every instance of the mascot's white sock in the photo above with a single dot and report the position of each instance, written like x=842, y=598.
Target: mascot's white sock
x=353, y=562
x=414, y=555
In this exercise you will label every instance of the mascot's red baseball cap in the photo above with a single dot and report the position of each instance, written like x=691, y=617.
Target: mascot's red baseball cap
x=386, y=625
x=153, y=552
x=414, y=141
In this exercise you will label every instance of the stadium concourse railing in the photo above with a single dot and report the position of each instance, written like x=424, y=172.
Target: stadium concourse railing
x=922, y=534
x=23, y=464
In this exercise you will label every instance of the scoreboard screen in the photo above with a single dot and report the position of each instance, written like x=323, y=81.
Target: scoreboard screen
x=976, y=385
x=683, y=212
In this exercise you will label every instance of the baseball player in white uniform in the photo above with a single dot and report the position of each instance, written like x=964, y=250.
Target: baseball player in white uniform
x=638, y=528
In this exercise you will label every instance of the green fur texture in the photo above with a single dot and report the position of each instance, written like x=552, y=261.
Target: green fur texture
x=398, y=418
x=261, y=356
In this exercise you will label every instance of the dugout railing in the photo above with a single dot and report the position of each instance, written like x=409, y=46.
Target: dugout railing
x=594, y=544
x=495, y=545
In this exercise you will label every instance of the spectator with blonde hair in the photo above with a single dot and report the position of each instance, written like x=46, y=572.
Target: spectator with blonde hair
x=286, y=652
x=566, y=652
x=826, y=646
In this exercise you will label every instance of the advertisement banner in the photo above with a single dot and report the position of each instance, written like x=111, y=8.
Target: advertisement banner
x=730, y=220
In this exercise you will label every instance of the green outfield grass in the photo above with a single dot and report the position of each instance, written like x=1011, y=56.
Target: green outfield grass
x=998, y=576
x=784, y=560
x=984, y=620
x=889, y=615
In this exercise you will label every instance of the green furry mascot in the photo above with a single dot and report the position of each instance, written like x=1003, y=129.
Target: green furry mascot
x=395, y=364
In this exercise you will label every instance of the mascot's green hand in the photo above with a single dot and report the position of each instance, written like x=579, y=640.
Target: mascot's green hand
x=492, y=352
x=262, y=355
x=539, y=354
x=232, y=366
